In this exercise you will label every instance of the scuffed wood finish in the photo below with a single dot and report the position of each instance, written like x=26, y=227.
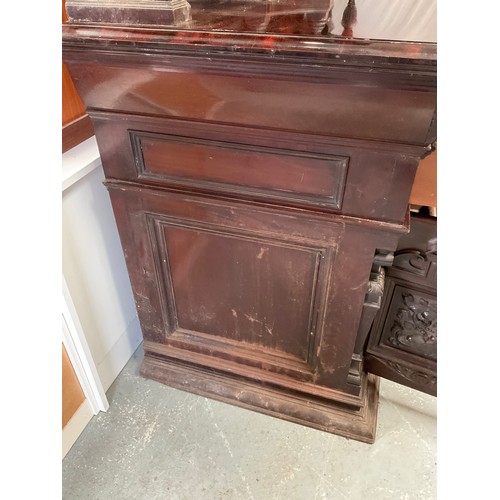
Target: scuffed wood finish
x=254, y=205
x=228, y=166
x=266, y=287
x=383, y=195
x=357, y=422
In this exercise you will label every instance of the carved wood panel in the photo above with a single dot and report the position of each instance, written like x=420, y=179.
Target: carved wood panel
x=403, y=341
x=411, y=323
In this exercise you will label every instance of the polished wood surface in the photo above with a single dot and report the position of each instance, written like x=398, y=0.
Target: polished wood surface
x=258, y=182
x=72, y=394
x=77, y=126
x=361, y=19
x=260, y=170
x=383, y=195
x=76, y=132
x=218, y=89
x=72, y=106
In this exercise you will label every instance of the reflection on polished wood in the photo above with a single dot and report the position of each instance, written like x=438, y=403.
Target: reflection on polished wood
x=259, y=181
x=409, y=20
x=77, y=126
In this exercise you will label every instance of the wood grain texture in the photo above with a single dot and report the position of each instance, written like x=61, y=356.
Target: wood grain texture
x=72, y=103
x=219, y=151
x=352, y=422
x=382, y=195
x=76, y=132
x=72, y=394
x=76, y=123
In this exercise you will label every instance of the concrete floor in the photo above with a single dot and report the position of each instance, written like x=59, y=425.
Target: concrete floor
x=155, y=442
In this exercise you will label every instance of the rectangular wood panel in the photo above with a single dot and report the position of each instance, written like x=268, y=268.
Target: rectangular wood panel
x=226, y=166
x=254, y=181
x=221, y=290
x=342, y=170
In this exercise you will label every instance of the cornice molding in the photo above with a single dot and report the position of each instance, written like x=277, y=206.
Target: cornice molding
x=130, y=12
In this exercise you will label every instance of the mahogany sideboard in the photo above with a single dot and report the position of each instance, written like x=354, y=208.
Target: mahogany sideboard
x=259, y=163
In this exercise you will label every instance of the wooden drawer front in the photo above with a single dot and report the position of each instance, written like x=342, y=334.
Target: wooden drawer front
x=280, y=174
x=286, y=169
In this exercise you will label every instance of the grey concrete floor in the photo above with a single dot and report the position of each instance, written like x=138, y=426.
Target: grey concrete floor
x=156, y=442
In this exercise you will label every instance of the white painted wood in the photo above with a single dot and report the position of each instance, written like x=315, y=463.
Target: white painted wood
x=94, y=267
x=79, y=354
x=75, y=426
x=79, y=161
x=117, y=357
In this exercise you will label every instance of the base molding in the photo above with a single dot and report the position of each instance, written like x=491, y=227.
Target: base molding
x=357, y=423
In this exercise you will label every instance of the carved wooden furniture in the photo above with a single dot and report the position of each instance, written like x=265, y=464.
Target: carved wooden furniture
x=260, y=182
x=403, y=340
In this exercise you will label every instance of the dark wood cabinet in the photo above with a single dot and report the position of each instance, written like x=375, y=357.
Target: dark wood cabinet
x=403, y=341
x=260, y=183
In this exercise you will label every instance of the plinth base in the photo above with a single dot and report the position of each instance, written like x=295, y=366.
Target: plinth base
x=357, y=423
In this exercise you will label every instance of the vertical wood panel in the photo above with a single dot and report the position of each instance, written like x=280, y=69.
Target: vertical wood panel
x=72, y=105
x=72, y=394
x=424, y=191
x=75, y=121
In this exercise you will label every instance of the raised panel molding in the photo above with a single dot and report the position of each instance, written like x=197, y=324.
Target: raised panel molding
x=251, y=199
x=249, y=313
x=243, y=169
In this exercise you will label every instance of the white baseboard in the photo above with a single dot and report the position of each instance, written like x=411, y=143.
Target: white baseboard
x=75, y=426
x=120, y=353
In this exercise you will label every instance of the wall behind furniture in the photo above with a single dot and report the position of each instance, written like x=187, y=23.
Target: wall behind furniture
x=94, y=265
x=93, y=262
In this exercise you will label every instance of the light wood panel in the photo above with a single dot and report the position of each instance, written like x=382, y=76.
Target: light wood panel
x=72, y=107
x=424, y=190
x=72, y=394
x=77, y=126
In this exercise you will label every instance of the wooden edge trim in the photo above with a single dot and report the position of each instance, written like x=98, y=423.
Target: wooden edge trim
x=76, y=132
